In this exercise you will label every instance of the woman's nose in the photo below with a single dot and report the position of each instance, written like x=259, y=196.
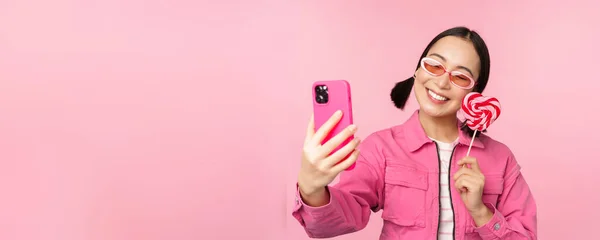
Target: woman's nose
x=443, y=81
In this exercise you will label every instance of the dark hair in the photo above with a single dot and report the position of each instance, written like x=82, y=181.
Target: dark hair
x=401, y=90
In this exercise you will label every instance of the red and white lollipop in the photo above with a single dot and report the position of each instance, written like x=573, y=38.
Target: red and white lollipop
x=480, y=112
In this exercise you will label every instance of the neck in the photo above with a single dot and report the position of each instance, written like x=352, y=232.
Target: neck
x=444, y=129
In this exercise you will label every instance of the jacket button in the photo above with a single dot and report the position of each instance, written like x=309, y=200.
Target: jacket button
x=497, y=226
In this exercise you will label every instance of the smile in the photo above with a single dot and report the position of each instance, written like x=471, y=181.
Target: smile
x=436, y=96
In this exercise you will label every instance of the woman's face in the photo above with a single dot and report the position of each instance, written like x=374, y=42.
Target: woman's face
x=442, y=95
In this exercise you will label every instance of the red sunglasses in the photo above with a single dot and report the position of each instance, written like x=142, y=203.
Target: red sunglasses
x=435, y=68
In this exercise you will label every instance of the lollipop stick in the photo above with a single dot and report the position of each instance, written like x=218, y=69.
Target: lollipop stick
x=471, y=144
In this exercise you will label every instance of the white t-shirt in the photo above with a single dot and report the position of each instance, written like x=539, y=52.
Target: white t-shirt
x=446, y=228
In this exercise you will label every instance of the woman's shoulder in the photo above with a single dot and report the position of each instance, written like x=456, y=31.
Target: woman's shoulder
x=379, y=137
x=501, y=154
x=495, y=146
x=387, y=139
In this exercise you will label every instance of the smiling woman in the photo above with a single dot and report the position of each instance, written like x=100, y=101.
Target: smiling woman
x=416, y=172
x=461, y=53
x=446, y=92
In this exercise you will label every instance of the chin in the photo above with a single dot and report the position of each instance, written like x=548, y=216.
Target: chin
x=435, y=107
x=435, y=112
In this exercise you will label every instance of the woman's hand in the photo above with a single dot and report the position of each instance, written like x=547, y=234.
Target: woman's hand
x=470, y=182
x=319, y=167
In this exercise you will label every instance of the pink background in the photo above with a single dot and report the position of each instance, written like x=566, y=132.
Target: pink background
x=184, y=120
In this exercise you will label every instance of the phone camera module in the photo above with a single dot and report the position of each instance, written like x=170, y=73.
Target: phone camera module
x=321, y=94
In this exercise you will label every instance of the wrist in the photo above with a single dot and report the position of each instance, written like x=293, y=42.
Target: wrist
x=305, y=188
x=311, y=195
x=316, y=198
x=482, y=215
x=308, y=191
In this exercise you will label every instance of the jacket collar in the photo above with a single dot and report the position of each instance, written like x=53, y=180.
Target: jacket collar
x=416, y=136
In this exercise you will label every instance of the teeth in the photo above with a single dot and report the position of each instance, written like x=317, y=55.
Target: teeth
x=437, y=97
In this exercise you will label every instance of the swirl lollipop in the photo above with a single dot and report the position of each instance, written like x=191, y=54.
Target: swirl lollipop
x=480, y=112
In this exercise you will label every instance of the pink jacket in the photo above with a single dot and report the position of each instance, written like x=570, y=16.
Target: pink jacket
x=398, y=172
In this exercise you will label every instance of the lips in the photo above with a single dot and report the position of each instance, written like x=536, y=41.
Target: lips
x=437, y=96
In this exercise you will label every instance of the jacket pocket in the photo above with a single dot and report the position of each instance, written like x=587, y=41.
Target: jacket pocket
x=405, y=195
x=492, y=189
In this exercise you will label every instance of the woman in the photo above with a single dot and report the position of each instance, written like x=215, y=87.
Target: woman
x=417, y=172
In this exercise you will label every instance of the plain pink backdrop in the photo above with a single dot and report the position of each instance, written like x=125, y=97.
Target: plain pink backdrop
x=184, y=119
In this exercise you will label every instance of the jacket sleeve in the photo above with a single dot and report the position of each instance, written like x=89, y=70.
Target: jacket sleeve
x=358, y=192
x=516, y=214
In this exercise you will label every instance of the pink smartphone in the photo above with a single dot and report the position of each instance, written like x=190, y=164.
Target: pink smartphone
x=328, y=97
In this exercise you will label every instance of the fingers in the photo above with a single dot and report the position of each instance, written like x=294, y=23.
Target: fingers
x=471, y=161
x=338, y=139
x=310, y=130
x=337, y=169
x=341, y=153
x=326, y=128
x=466, y=182
x=466, y=172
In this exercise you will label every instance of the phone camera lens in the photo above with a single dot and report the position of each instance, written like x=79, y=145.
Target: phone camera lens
x=322, y=95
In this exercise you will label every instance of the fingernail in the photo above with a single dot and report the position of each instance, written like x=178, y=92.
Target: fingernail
x=353, y=128
x=338, y=113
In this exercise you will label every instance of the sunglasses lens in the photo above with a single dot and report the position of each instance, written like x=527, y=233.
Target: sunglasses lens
x=460, y=79
x=433, y=67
